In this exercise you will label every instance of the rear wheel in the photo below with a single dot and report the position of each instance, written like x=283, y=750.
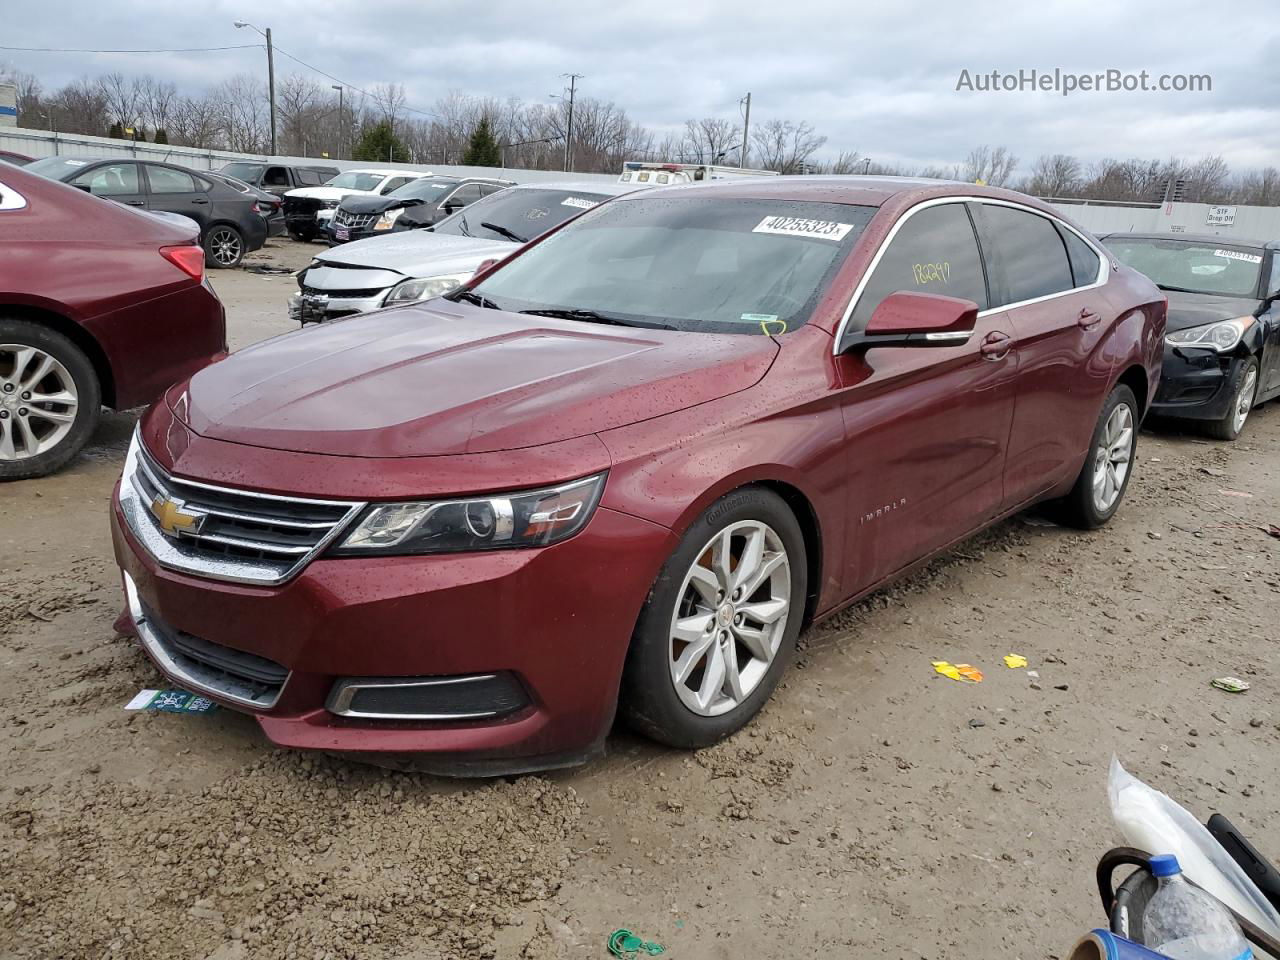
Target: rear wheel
x=49, y=399
x=1229, y=427
x=223, y=246
x=1108, y=468
x=720, y=624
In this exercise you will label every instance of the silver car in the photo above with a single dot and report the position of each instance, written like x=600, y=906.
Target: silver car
x=421, y=264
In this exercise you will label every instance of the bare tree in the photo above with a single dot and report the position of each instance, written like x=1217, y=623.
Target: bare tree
x=709, y=139
x=992, y=166
x=123, y=98
x=1259, y=187
x=242, y=103
x=784, y=146
x=1054, y=175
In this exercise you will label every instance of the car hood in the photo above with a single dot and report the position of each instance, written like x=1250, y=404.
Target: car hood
x=370, y=203
x=442, y=379
x=417, y=253
x=326, y=193
x=1193, y=309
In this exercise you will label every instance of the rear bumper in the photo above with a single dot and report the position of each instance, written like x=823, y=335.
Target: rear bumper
x=1198, y=384
x=559, y=620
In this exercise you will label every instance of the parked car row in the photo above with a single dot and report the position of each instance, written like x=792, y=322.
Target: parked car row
x=308, y=210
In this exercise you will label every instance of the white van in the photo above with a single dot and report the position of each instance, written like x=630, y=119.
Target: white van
x=663, y=174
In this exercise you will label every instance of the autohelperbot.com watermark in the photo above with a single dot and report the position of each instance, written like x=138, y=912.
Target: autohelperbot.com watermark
x=1066, y=82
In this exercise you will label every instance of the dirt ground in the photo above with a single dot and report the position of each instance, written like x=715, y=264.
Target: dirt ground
x=874, y=809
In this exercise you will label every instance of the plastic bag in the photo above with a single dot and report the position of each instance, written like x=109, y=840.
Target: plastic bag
x=1153, y=822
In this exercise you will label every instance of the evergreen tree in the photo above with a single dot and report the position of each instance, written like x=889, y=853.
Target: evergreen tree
x=161, y=136
x=117, y=131
x=483, y=150
x=379, y=142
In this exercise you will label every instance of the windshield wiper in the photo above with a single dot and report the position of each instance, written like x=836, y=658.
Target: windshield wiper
x=590, y=316
x=472, y=297
x=503, y=231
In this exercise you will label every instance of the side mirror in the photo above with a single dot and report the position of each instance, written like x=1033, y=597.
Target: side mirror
x=452, y=205
x=905, y=319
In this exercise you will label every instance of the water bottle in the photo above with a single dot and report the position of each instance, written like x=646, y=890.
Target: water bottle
x=1185, y=923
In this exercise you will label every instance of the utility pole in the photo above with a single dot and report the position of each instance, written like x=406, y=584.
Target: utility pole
x=746, y=129
x=568, y=137
x=341, y=121
x=271, y=77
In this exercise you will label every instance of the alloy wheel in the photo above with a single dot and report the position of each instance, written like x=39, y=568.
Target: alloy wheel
x=1244, y=399
x=730, y=618
x=1113, y=457
x=38, y=402
x=224, y=247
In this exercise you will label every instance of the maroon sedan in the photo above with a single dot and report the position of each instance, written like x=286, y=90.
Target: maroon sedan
x=99, y=304
x=625, y=467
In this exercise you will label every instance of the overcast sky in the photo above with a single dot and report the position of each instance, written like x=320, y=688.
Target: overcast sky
x=877, y=78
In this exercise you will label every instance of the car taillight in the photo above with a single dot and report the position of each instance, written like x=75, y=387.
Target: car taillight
x=188, y=258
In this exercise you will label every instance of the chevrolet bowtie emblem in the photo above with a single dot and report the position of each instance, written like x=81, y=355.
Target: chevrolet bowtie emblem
x=173, y=519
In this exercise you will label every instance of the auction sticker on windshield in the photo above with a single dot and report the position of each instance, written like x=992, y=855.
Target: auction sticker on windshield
x=800, y=227
x=1237, y=255
x=578, y=202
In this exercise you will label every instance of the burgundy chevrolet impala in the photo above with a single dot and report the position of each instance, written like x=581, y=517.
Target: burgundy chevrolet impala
x=623, y=469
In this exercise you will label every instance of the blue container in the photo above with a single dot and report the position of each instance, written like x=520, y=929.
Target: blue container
x=1105, y=945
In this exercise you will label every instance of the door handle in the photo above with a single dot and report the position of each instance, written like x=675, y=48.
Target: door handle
x=200, y=200
x=1088, y=318
x=133, y=203
x=995, y=345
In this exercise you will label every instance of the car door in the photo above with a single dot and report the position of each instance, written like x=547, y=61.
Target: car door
x=1269, y=375
x=178, y=191
x=463, y=196
x=121, y=182
x=1050, y=281
x=926, y=427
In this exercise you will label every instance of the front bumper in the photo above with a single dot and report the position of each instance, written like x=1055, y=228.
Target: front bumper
x=1198, y=384
x=318, y=307
x=557, y=619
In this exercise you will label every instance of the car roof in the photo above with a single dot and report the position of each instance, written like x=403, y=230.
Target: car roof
x=610, y=187
x=389, y=171
x=1197, y=238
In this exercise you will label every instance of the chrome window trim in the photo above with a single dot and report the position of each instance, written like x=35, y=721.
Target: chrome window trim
x=1104, y=260
x=344, y=691
x=151, y=642
x=133, y=504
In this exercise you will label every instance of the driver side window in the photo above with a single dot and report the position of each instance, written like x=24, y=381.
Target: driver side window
x=934, y=251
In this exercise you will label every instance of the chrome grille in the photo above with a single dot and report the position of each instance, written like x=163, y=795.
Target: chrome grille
x=224, y=533
x=344, y=218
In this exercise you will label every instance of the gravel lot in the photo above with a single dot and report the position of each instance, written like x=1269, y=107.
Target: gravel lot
x=873, y=810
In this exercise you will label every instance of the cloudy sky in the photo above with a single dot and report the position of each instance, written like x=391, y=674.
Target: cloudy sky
x=876, y=78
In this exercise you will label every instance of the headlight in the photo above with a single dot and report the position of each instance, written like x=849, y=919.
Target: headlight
x=329, y=204
x=388, y=217
x=534, y=518
x=407, y=291
x=1221, y=335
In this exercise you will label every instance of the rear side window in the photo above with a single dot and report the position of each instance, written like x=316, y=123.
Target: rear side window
x=1084, y=262
x=934, y=251
x=395, y=183
x=308, y=178
x=165, y=180
x=112, y=180
x=488, y=188
x=1030, y=250
x=465, y=194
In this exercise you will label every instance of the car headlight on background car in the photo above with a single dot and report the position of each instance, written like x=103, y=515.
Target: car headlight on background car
x=387, y=218
x=408, y=291
x=533, y=518
x=1221, y=335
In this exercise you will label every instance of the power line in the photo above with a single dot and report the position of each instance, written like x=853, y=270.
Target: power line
x=350, y=86
x=242, y=46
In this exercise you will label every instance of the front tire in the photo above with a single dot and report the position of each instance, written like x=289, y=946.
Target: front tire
x=1107, y=469
x=1229, y=427
x=50, y=400
x=720, y=624
x=223, y=246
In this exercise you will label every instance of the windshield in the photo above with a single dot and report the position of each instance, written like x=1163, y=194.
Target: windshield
x=249, y=172
x=1194, y=266
x=522, y=214
x=712, y=265
x=56, y=168
x=426, y=190
x=357, y=181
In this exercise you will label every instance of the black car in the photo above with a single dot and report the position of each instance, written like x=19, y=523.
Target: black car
x=1222, y=344
x=277, y=178
x=270, y=206
x=421, y=203
x=229, y=221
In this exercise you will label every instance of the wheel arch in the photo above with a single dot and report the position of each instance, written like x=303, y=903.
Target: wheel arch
x=1135, y=378
x=74, y=332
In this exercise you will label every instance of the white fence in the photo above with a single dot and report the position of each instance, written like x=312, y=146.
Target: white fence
x=1243, y=223
x=43, y=143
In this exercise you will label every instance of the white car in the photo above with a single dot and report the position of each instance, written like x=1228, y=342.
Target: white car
x=420, y=264
x=308, y=210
